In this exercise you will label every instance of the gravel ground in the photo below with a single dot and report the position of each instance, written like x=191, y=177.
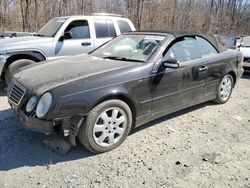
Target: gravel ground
x=204, y=146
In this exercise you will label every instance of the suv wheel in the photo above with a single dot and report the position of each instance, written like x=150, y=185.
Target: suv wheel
x=224, y=90
x=106, y=127
x=15, y=67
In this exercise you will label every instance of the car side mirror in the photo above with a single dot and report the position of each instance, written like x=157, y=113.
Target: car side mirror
x=170, y=63
x=240, y=44
x=61, y=39
x=67, y=35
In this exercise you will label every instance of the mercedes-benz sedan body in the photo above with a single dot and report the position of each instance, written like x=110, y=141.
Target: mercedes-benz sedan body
x=129, y=81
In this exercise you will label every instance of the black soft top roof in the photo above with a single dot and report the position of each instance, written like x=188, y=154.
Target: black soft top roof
x=178, y=34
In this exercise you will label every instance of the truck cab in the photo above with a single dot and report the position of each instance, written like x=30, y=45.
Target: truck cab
x=60, y=37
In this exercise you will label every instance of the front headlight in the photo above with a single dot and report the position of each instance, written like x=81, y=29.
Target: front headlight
x=43, y=105
x=30, y=106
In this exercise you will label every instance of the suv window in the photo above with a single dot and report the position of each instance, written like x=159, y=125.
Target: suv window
x=184, y=49
x=112, y=32
x=104, y=29
x=205, y=47
x=124, y=26
x=78, y=29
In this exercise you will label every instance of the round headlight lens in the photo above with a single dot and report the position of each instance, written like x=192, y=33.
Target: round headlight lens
x=31, y=104
x=43, y=105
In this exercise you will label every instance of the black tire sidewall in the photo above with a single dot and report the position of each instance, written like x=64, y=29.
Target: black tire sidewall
x=85, y=134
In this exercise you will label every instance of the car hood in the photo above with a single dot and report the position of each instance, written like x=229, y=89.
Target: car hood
x=13, y=43
x=45, y=76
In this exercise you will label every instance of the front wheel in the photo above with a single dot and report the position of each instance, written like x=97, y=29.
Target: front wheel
x=224, y=90
x=106, y=127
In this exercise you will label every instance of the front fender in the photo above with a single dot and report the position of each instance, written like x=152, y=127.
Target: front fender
x=10, y=56
x=82, y=102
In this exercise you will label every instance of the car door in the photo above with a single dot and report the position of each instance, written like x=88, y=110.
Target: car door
x=76, y=40
x=104, y=30
x=215, y=64
x=174, y=88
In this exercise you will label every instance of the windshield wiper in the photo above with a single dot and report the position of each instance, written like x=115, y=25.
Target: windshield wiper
x=121, y=58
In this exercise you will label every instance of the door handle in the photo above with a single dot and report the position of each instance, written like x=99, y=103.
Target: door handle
x=86, y=43
x=202, y=69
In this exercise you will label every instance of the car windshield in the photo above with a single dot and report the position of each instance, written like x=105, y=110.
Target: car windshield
x=51, y=28
x=129, y=47
x=246, y=41
x=7, y=34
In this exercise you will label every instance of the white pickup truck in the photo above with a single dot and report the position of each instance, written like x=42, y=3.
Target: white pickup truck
x=62, y=36
x=244, y=47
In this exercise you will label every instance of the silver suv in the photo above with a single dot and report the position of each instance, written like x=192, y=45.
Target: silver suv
x=62, y=36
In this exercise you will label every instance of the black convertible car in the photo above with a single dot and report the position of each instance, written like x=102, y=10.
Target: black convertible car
x=131, y=80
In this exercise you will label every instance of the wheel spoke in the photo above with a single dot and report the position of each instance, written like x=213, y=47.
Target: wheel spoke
x=223, y=87
x=102, y=137
x=114, y=114
x=222, y=92
x=111, y=138
x=120, y=120
x=99, y=128
x=105, y=117
x=119, y=130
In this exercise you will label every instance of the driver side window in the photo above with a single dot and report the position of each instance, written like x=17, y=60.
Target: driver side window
x=184, y=49
x=78, y=30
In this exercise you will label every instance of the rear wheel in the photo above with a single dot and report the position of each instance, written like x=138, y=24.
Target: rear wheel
x=224, y=90
x=106, y=126
x=15, y=67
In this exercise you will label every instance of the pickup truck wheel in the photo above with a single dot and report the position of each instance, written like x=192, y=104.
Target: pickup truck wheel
x=225, y=89
x=106, y=126
x=15, y=67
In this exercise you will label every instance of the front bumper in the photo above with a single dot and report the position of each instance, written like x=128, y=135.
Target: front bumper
x=246, y=65
x=35, y=124
x=67, y=126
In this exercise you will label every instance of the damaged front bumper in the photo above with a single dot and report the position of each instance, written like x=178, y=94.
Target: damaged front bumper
x=67, y=127
x=35, y=124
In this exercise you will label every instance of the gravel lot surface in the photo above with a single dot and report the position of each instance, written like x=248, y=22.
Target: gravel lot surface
x=204, y=146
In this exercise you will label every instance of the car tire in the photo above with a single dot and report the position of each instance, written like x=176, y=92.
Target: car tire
x=15, y=67
x=224, y=90
x=106, y=126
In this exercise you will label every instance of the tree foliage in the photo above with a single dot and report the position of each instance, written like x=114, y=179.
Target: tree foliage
x=212, y=16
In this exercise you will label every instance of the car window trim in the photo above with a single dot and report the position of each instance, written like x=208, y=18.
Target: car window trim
x=79, y=38
x=109, y=34
x=207, y=41
x=178, y=39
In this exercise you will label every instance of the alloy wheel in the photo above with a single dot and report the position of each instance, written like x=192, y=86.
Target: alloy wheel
x=225, y=88
x=110, y=127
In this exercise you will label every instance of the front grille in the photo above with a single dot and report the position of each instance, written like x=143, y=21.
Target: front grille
x=16, y=93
